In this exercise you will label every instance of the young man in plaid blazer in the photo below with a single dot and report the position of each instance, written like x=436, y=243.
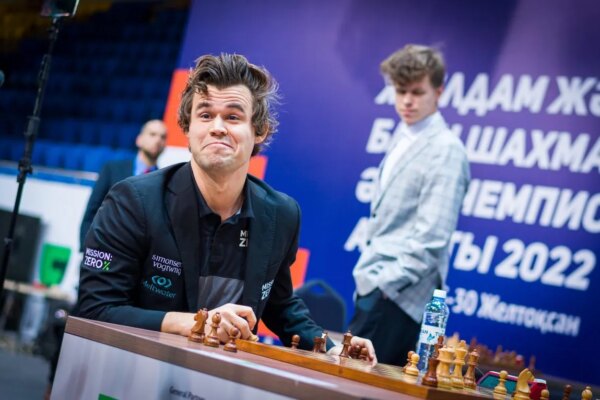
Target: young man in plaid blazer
x=422, y=182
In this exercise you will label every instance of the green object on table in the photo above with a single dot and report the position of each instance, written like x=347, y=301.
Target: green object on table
x=54, y=262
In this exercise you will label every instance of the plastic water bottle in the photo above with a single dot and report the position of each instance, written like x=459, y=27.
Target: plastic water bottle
x=434, y=322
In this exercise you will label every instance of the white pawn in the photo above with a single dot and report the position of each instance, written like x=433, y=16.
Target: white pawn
x=500, y=389
x=587, y=393
x=412, y=368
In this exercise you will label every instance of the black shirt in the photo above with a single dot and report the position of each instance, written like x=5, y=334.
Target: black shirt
x=223, y=248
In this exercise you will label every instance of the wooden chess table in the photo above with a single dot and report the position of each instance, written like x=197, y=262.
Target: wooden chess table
x=102, y=360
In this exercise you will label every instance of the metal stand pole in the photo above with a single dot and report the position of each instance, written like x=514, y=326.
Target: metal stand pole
x=30, y=135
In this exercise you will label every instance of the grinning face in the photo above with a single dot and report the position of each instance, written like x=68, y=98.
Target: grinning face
x=417, y=100
x=221, y=135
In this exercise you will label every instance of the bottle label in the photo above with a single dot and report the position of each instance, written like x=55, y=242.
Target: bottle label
x=429, y=334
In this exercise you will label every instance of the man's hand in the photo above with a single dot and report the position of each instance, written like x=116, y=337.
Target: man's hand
x=242, y=317
x=362, y=342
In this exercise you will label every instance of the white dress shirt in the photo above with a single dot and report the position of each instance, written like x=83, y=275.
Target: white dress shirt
x=407, y=136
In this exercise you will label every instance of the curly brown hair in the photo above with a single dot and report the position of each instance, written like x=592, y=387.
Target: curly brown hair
x=228, y=70
x=412, y=63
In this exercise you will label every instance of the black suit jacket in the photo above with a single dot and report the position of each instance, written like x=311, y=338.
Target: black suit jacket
x=112, y=172
x=141, y=257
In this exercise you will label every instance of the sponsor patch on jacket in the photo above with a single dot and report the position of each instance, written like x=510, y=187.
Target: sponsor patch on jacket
x=266, y=289
x=97, y=259
x=160, y=285
x=243, y=238
x=164, y=264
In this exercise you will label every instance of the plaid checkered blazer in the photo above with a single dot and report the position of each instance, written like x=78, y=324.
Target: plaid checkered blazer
x=412, y=219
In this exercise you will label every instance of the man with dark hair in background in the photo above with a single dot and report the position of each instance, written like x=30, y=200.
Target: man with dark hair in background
x=203, y=234
x=150, y=142
x=422, y=181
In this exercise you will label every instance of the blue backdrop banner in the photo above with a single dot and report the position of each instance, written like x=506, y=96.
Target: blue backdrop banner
x=522, y=93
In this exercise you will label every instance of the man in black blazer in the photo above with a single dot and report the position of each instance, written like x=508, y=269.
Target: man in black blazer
x=203, y=233
x=150, y=143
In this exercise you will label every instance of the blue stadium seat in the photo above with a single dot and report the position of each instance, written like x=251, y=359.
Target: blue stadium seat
x=122, y=154
x=51, y=129
x=107, y=134
x=89, y=133
x=103, y=86
x=40, y=148
x=8, y=127
x=138, y=111
x=127, y=133
x=115, y=87
x=120, y=109
x=6, y=148
x=158, y=109
x=55, y=155
x=107, y=108
x=95, y=158
x=70, y=130
x=73, y=156
x=17, y=147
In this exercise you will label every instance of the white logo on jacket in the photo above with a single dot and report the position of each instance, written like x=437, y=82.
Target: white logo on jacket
x=266, y=289
x=243, y=238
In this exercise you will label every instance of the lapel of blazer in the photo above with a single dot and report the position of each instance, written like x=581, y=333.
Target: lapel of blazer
x=378, y=188
x=262, y=234
x=411, y=153
x=182, y=208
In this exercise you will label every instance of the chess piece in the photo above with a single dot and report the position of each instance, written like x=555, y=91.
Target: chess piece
x=520, y=362
x=587, y=393
x=412, y=369
x=500, y=389
x=346, y=343
x=408, y=358
x=453, y=340
x=212, y=339
x=295, y=341
x=457, y=377
x=498, y=355
x=364, y=354
x=567, y=392
x=324, y=337
x=318, y=344
x=430, y=378
x=523, y=391
x=436, y=351
x=233, y=334
x=451, y=359
x=438, y=346
x=197, y=334
x=355, y=351
x=545, y=395
x=443, y=374
x=472, y=344
x=531, y=366
x=469, y=378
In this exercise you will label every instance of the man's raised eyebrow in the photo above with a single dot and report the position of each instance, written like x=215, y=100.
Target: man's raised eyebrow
x=237, y=106
x=207, y=104
x=203, y=104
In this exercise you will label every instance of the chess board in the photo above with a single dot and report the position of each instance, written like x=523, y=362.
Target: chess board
x=381, y=375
